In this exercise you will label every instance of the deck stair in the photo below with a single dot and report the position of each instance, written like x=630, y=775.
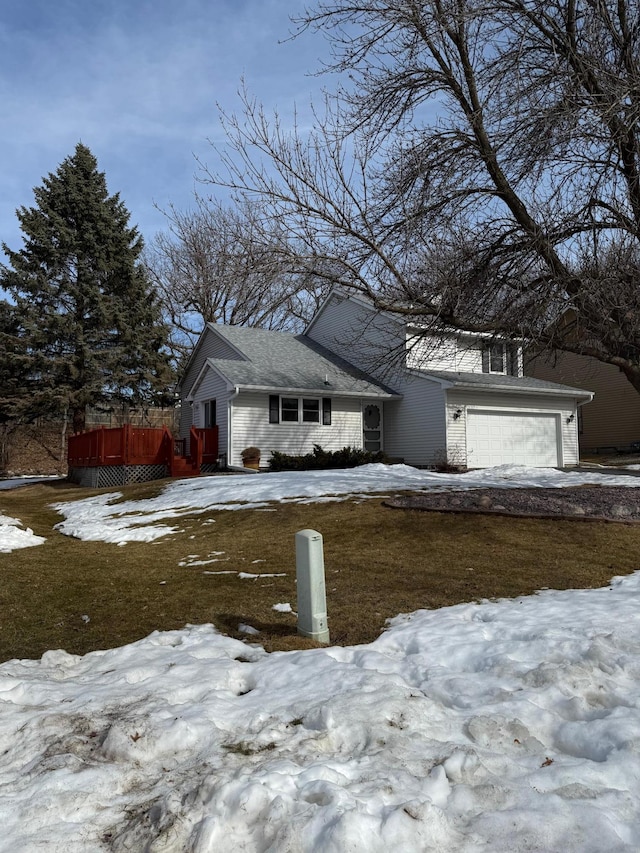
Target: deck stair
x=182, y=466
x=134, y=454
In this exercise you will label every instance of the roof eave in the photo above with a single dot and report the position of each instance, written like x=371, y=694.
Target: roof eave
x=576, y=393
x=328, y=391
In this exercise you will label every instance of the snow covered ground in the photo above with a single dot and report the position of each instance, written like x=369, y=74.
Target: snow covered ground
x=482, y=728
x=99, y=518
x=492, y=728
x=26, y=480
x=14, y=535
x=103, y=519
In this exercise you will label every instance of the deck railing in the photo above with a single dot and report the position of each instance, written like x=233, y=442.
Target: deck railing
x=209, y=443
x=129, y=445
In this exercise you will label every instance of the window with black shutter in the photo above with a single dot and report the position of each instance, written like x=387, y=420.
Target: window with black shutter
x=513, y=360
x=326, y=411
x=274, y=409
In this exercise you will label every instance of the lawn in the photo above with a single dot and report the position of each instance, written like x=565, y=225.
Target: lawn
x=379, y=562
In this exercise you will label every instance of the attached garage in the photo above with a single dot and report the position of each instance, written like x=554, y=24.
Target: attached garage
x=499, y=437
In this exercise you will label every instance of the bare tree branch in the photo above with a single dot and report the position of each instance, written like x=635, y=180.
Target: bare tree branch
x=478, y=168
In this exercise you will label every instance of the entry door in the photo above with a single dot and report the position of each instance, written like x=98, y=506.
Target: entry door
x=372, y=427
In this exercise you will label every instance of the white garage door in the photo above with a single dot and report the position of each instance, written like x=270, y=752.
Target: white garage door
x=517, y=438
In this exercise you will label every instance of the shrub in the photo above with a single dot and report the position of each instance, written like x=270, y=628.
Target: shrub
x=348, y=457
x=250, y=453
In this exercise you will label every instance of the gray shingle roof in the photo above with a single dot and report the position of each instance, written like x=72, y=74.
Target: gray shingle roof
x=502, y=382
x=280, y=360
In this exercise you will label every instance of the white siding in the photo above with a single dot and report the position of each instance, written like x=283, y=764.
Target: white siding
x=414, y=426
x=425, y=353
x=213, y=387
x=469, y=357
x=186, y=418
x=456, y=428
x=463, y=355
x=251, y=427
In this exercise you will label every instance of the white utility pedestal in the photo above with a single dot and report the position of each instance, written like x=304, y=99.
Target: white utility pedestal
x=312, y=598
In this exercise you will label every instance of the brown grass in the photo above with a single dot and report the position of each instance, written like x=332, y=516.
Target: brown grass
x=379, y=562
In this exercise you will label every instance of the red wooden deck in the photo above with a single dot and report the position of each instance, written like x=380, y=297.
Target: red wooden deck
x=129, y=445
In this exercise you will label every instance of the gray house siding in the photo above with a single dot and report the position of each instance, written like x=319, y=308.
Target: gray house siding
x=210, y=345
x=213, y=387
x=415, y=425
x=365, y=338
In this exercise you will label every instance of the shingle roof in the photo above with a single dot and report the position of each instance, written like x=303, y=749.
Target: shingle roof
x=502, y=382
x=281, y=360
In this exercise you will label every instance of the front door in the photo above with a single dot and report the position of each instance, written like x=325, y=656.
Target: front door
x=372, y=427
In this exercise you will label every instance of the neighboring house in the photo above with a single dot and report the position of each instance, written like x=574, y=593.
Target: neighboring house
x=360, y=377
x=612, y=420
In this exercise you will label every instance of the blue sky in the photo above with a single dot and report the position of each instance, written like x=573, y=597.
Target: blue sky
x=138, y=82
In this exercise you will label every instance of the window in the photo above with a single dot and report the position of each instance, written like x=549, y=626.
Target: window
x=496, y=358
x=310, y=411
x=306, y=410
x=289, y=409
x=209, y=414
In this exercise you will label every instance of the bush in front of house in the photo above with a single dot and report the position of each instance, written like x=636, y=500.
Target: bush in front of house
x=348, y=457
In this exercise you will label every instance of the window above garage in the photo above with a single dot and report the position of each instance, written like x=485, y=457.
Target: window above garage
x=500, y=357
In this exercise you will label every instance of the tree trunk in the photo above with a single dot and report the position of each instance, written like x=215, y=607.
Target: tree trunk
x=78, y=419
x=63, y=437
x=4, y=447
x=632, y=372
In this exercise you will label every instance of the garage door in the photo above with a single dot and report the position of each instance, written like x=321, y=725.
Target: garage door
x=518, y=438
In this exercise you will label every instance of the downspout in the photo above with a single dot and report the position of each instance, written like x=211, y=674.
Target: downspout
x=236, y=391
x=578, y=406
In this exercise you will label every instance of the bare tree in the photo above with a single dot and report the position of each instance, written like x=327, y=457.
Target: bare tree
x=222, y=265
x=479, y=168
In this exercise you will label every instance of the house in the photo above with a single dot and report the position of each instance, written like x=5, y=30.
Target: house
x=276, y=391
x=612, y=420
x=361, y=377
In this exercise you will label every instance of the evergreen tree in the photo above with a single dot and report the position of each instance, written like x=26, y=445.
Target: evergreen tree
x=13, y=372
x=86, y=326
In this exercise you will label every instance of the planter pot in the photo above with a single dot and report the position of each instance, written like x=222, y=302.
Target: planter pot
x=253, y=462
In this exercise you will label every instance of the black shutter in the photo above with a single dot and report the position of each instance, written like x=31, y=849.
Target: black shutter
x=486, y=355
x=326, y=411
x=512, y=355
x=274, y=409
